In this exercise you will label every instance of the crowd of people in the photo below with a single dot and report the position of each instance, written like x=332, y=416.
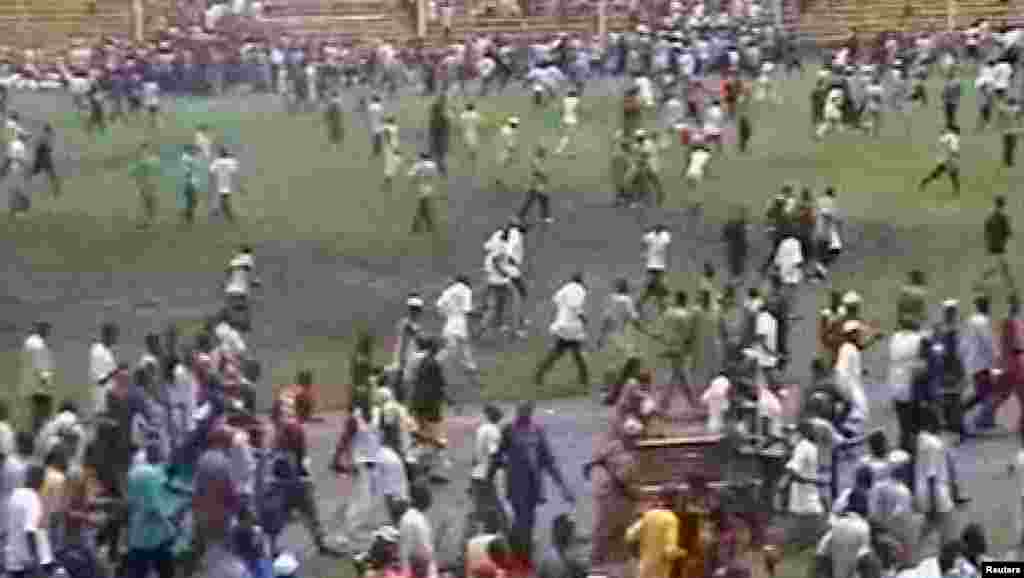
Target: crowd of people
x=169, y=463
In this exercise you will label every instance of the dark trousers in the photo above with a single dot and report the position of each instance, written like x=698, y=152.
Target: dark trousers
x=1009, y=149
x=737, y=263
x=140, y=563
x=45, y=167
x=906, y=415
x=944, y=169
x=655, y=288
x=629, y=370
x=535, y=196
x=487, y=507
x=950, y=109
x=423, y=220
x=226, y=208
x=525, y=518
x=188, y=213
x=496, y=299
x=983, y=389
x=563, y=346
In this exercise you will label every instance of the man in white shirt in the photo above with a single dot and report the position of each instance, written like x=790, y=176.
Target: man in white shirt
x=37, y=361
x=568, y=329
x=240, y=274
x=416, y=535
x=766, y=346
x=904, y=359
x=151, y=100
x=225, y=176
x=656, y=244
x=807, y=514
x=15, y=172
x=487, y=505
x=849, y=378
x=789, y=261
x=497, y=266
x=103, y=366
x=933, y=486
x=1002, y=77
x=978, y=352
x=849, y=538
x=375, y=118
x=456, y=304
x=570, y=121
x=892, y=503
x=716, y=400
x=470, y=120
x=27, y=548
x=390, y=478
x=231, y=343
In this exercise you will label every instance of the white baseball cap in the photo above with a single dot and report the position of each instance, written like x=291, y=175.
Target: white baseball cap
x=285, y=565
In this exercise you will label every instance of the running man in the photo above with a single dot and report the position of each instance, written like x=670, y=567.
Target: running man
x=43, y=161
x=537, y=191
x=508, y=154
x=570, y=121
x=656, y=243
x=456, y=304
x=949, y=161
x=390, y=148
x=569, y=330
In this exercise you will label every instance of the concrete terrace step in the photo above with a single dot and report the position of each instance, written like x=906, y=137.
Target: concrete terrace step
x=334, y=20
x=325, y=9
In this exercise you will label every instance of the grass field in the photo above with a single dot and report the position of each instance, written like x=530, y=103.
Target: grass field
x=327, y=204
x=335, y=253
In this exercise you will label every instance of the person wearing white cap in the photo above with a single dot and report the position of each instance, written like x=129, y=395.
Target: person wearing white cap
x=286, y=565
x=849, y=377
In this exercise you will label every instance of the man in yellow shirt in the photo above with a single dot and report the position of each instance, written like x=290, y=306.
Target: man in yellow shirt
x=656, y=537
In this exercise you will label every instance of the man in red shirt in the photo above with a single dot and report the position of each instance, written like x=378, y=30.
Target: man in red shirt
x=1011, y=348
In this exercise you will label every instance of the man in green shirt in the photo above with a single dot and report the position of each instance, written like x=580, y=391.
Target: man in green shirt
x=191, y=168
x=145, y=172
